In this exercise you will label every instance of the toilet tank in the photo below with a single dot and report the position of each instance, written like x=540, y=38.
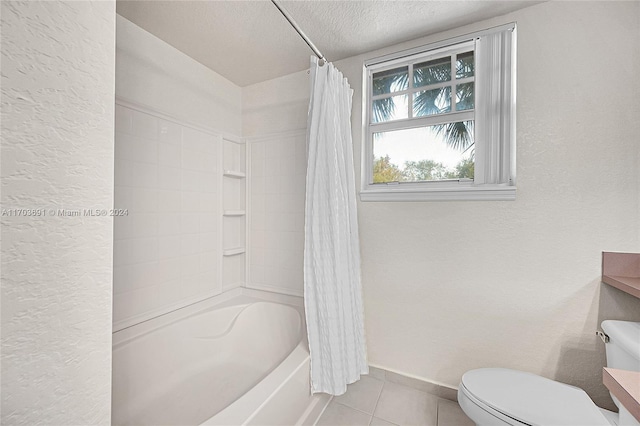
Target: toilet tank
x=623, y=348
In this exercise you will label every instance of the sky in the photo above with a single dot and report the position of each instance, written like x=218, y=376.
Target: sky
x=414, y=144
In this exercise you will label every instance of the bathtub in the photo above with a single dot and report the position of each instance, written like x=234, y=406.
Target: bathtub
x=239, y=363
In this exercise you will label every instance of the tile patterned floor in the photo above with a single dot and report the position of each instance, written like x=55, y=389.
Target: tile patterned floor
x=375, y=402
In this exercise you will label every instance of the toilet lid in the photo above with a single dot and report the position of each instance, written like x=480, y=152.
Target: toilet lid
x=532, y=399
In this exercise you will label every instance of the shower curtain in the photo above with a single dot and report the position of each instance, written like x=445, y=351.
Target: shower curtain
x=332, y=287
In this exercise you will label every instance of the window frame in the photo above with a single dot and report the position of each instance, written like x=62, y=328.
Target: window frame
x=451, y=189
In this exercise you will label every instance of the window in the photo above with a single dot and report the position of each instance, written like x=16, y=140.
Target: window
x=440, y=121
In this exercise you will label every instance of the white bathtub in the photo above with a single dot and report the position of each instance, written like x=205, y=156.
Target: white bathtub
x=244, y=363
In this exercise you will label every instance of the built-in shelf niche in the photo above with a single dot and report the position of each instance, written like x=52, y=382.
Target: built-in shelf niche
x=233, y=251
x=234, y=194
x=234, y=158
x=234, y=224
x=234, y=174
x=234, y=234
x=233, y=271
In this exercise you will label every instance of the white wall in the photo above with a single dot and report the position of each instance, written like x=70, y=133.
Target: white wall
x=169, y=128
x=276, y=106
x=57, y=153
x=150, y=72
x=167, y=245
x=451, y=286
x=274, y=117
x=277, y=197
x=516, y=284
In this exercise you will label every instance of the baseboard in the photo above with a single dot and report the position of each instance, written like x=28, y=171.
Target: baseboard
x=419, y=383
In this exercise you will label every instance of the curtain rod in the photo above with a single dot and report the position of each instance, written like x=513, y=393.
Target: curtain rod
x=295, y=26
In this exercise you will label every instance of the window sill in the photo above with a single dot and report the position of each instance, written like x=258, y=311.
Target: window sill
x=468, y=193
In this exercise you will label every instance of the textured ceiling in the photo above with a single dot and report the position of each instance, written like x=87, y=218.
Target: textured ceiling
x=249, y=41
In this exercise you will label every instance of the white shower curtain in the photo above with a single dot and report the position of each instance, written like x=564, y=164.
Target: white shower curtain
x=332, y=288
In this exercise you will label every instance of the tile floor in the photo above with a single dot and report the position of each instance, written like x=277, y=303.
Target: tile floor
x=375, y=402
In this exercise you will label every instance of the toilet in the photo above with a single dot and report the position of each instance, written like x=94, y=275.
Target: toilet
x=500, y=396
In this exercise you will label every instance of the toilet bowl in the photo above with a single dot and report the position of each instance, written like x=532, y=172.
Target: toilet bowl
x=500, y=396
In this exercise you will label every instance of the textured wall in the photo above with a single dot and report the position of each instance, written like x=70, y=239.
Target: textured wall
x=153, y=73
x=517, y=284
x=451, y=286
x=57, y=152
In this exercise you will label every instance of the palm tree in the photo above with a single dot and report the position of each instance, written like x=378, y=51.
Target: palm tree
x=458, y=135
x=387, y=82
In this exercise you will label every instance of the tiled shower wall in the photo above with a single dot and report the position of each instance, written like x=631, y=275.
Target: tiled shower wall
x=277, y=197
x=167, y=249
